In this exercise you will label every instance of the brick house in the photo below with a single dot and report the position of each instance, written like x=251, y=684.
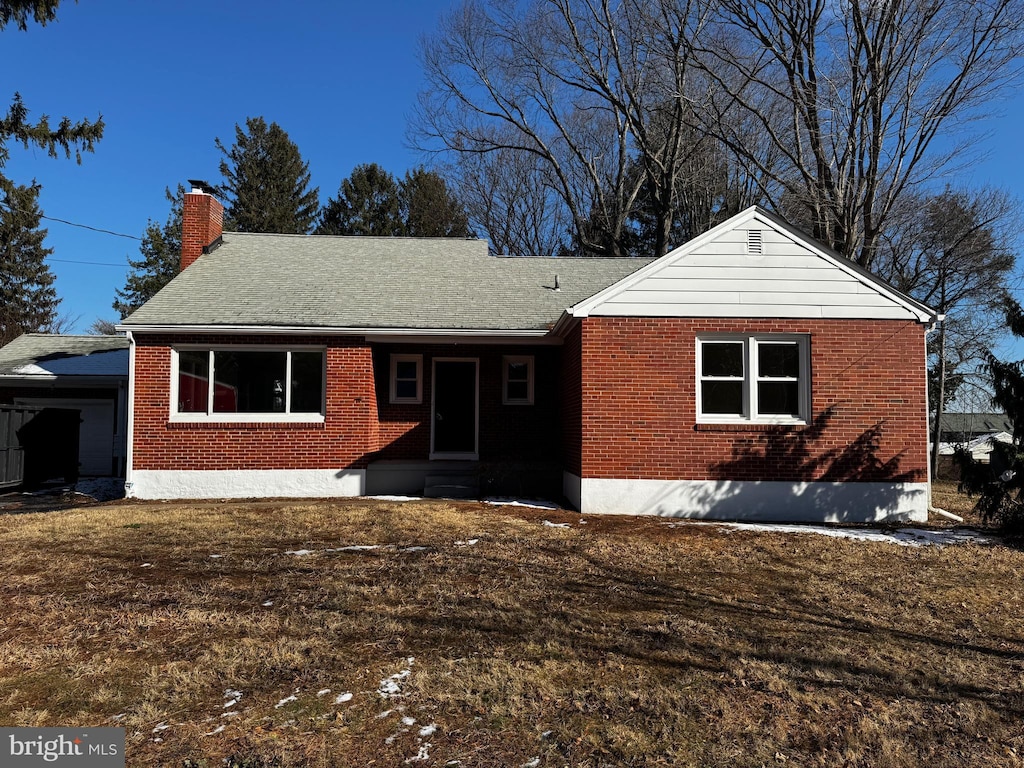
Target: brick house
x=749, y=374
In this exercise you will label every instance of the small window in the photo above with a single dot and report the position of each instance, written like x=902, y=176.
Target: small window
x=754, y=378
x=407, y=379
x=239, y=384
x=517, y=380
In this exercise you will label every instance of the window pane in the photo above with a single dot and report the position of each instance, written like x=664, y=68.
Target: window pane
x=518, y=372
x=193, y=381
x=307, y=382
x=778, y=360
x=518, y=390
x=778, y=398
x=406, y=369
x=405, y=389
x=722, y=397
x=249, y=382
x=722, y=359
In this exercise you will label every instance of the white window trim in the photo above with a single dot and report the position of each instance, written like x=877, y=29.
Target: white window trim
x=750, y=379
x=245, y=418
x=507, y=360
x=394, y=399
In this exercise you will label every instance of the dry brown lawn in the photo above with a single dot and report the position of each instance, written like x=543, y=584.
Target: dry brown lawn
x=614, y=642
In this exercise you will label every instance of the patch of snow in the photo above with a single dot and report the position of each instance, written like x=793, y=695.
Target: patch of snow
x=547, y=734
x=390, y=739
x=532, y=763
x=286, y=700
x=146, y=565
x=299, y=552
x=101, y=488
x=428, y=730
x=343, y=697
x=392, y=685
x=507, y=501
x=582, y=521
x=904, y=537
x=408, y=720
x=355, y=548
x=267, y=603
x=161, y=727
x=231, y=697
x=387, y=497
x=467, y=543
x=322, y=692
x=384, y=714
x=414, y=549
x=231, y=714
x=421, y=755
x=216, y=556
x=215, y=731
x=118, y=717
x=549, y=524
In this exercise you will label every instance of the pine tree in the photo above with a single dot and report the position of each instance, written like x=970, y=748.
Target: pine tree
x=1000, y=483
x=367, y=204
x=266, y=183
x=161, y=257
x=28, y=301
x=428, y=208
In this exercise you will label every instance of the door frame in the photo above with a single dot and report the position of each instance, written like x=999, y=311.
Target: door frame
x=461, y=455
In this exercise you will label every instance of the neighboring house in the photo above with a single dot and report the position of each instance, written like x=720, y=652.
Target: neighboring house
x=85, y=373
x=750, y=373
x=964, y=427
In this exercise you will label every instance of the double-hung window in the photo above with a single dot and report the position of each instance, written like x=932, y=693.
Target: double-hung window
x=406, y=379
x=517, y=380
x=234, y=384
x=753, y=378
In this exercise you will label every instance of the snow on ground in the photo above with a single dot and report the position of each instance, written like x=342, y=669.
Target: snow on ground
x=508, y=501
x=343, y=697
x=100, y=488
x=286, y=700
x=467, y=543
x=392, y=686
x=357, y=548
x=549, y=524
x=904, y=537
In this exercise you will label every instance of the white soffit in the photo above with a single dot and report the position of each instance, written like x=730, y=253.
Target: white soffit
x=753, y=266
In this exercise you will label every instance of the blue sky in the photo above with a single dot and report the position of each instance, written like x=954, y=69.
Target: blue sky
x=340, y=77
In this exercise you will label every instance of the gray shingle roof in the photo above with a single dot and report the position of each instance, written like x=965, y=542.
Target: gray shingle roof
x=374, y=282
x=44, y=354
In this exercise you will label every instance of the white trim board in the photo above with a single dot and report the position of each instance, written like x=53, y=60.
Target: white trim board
x=246, y=483
x=754, y=500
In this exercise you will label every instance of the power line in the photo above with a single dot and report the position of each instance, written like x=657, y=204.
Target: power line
x=91, y=229
x=93, y=263
x=101, y=230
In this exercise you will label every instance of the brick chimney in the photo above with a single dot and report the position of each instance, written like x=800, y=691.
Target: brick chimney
x=202, y=222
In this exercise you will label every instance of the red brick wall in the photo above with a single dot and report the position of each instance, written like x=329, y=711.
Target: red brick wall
x=347, y=438
x=639, y=404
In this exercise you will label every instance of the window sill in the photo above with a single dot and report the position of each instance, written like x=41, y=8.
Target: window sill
x=749, y=426
x=247, y=420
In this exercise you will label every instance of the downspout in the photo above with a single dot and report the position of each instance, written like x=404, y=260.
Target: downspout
x=129, y=450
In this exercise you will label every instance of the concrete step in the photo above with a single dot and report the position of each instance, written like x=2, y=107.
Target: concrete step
x=451, y=486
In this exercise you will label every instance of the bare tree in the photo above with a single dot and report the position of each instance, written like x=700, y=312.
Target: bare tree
x=602, y=95
x=852, y=96
x=953, y=251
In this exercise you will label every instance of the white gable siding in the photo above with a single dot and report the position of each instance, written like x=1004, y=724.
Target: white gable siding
x=719, y=279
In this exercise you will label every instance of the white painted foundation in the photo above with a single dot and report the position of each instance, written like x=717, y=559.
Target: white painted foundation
x=245, y=483
x=752, y=500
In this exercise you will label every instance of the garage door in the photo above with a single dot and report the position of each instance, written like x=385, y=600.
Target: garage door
x=96, y=437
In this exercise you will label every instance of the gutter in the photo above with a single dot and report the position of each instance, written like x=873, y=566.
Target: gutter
x=332, y=331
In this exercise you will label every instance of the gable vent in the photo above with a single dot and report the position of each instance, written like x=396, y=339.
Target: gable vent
x=754, y=242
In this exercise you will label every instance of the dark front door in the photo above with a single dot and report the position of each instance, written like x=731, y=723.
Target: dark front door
x=455, y=407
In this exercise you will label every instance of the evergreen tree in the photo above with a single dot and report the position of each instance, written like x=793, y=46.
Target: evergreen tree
x=367, y=204
x=160, y=260
x=1000, y=483
x=266, y=183
x=428, y=208
x=28, y=301
x=15, y=126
